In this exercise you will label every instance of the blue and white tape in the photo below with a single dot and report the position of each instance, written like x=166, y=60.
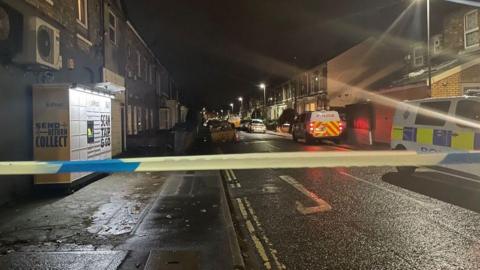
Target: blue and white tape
x=244, y=161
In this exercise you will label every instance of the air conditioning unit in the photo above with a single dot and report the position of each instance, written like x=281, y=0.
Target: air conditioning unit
x=41, y=44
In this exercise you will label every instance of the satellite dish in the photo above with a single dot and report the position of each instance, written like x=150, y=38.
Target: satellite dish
x=4, y=24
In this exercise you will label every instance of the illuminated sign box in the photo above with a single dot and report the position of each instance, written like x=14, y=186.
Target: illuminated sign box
x=70, y=123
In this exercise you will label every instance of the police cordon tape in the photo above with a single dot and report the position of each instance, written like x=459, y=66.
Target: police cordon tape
x=243, y=161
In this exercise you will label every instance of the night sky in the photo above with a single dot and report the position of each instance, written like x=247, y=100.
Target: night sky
x=219, y=50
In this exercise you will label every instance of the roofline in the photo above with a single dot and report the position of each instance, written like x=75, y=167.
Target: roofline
x=146, y=46
x=455, y=70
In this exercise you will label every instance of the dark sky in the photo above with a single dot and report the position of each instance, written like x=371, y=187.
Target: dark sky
x=219, y=50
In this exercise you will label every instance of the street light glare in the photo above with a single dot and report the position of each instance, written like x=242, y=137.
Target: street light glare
x=240, y=99
x=262, y=86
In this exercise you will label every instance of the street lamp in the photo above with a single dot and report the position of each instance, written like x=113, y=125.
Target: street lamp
x=241, y=105
x=428, y=45
x=264, y=88
x=231, y=105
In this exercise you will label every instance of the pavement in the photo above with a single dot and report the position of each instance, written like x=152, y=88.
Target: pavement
x=341, y=218
x=124, y=221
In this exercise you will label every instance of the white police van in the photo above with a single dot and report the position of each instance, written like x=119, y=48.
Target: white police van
x=438, y=125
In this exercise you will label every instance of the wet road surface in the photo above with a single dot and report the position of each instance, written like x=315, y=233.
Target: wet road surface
x=355, y=218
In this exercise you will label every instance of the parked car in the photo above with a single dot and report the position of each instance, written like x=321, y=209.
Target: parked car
x=312, y=126
x=222, y=131
x=257, y=125
x=244, y=124
x=234, y=120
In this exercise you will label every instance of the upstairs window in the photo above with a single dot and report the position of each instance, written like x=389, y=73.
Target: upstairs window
x=112, y=27
x=139, y=64
x=418, y=56
x=471, y=29
x=82, y=13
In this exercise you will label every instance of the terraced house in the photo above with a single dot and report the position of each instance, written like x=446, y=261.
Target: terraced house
x=79, y=69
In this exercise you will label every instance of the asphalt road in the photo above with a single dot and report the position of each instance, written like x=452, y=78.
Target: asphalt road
x=351, y=218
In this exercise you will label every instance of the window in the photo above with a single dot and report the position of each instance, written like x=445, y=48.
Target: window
x=82, y=13
x=163, y=118
x=139, y=64
x=129, y=120
x=147, y=120
x=469, y=110
x=139, y=119
x=151, y=118
x=112, y=27
x=151, y=74
x=135, y=120
x=418, y=56
x=426, y=118
x=145, y=69
x=471, y=35
x=158, y=84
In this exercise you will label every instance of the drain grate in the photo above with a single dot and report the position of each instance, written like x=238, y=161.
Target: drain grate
x=172, y=260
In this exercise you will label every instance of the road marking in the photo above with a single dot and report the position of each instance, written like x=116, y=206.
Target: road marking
x=242, y=209
x=322, y=205
x=257, y=234
x=273, y=146
x=447, y=173
x=234, y=177
x=387, y=190
x=273, y=252
x=229, y=178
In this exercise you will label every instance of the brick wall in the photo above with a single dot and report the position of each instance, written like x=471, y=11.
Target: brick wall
x=471, y=75
x=447, y=87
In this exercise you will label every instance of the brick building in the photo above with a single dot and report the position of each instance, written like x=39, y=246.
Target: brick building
x=76, y=42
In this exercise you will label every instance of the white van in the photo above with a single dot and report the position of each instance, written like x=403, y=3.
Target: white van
x=438, y=125
x=312, y=126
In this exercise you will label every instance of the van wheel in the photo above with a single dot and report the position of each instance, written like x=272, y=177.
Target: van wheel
x=407, y=170
x=309, y=139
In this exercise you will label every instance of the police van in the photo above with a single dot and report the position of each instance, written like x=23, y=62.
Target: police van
x=311, y=126
x=438, y=125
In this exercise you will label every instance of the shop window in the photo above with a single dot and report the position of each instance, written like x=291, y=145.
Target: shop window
x=82, y=13
x=427, y=110
x=471, y=34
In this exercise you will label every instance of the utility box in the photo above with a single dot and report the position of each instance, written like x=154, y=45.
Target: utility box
x=70, y=122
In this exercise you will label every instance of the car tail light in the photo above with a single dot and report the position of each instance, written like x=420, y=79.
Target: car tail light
x=341, y=126
x=311, y=127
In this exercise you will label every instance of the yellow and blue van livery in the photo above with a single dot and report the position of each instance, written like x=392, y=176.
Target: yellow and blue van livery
x=438, y=125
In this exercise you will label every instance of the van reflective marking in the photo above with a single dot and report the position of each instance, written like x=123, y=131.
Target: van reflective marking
x=442, y=137
x=410, y=134
x=106, y=166
x=397, y=133
x=425, y=136
x=463, y=140
x=461, y=158
x=476, y=145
